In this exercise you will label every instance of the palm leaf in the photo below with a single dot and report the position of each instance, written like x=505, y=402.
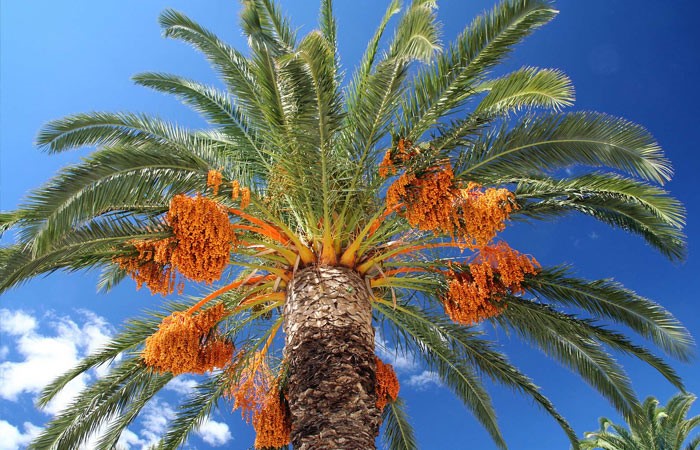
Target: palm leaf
x=397, y=432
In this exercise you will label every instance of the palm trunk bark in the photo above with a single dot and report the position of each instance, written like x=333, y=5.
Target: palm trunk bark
x=330, y=351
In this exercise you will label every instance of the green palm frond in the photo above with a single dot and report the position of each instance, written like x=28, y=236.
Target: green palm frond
x=214, y=105
x=656, y=427
x=397, y=432
x=469, y=344
x=109, y=129
x=231, y=65
x=194, y=411
x=123, y=387
x=265, y=26
x=552, y=141
x=525, y=88
x=563, y=338
x=453, y=371
x=86, y=247
x=609, y=299
x=621, y=202
x=450, y=81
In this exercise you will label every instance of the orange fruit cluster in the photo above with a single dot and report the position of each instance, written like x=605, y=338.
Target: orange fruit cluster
x=199, y=250
x=428, y=199
x=475, y=295
x=251, y=386
x=186, y=343
x=403, y=152
x=432, y=202
x=151, y=266
x=387, y=385
x=238, y=192
x=203, y=236
x=482, y=214
x=214, y=180
x=272, y=423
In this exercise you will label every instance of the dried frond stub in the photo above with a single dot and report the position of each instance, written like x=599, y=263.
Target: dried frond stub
x=187, y=343
x=272, y=422
x=214, y=180
x=387, y=386
x=203, y=236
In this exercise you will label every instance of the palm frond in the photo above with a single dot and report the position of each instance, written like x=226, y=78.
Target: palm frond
x=470, y=345
x=609, y=299
x=548, y=142
x=95, y=405
x=108, y=129
x=231, y=65
x=563, y=338
x=483, y=44
x=194, y=411
x=526, y=88
x=397, y=433
x=621, y=202
x=459, y=376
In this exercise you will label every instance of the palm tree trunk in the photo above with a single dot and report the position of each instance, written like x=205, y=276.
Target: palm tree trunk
x=330, y=350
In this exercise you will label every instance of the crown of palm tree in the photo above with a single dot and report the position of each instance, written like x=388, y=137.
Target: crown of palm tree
x=392, y=175
x=655, y=428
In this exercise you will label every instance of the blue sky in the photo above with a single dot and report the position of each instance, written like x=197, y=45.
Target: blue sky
x=627, y=58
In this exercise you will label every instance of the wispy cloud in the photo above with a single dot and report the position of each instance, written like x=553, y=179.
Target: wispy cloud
x=181, y=385
x=11, y=438
x=424, y=380
x=399, y=359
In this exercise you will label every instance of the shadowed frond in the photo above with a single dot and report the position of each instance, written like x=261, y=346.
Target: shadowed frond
x=397, y=432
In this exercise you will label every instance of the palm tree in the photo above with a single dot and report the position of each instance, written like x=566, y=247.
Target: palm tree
x=655, y=428
x=328, y=209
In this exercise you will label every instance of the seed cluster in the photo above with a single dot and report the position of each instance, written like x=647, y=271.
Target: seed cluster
x=151, y=266
x=203, y=236
x=240, y=192
x=187, y=343
x=251, y=385
x=432, y=202
x=387, y=386
x=475, y=294
x=199, y=249
x=272, y=422
x=214, y=180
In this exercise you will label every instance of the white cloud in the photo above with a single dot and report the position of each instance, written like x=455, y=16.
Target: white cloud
x=399, y=359
x=424, y=380
x=181, y=385
x=155, y=417
x=12, y=439
x=43, y=357
x=16, y=323
x=214, y=433
x=129, y=438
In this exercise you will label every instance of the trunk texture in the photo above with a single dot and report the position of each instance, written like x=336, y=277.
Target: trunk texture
x=330, y=350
